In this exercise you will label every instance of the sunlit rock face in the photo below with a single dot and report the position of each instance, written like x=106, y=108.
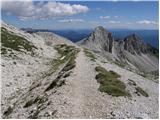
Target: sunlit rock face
x=99, y=40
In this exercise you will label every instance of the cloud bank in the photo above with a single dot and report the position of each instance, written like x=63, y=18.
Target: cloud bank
x=114, y=22
x=147, y=22
x=71, y=20
x=29, y=10
x=104, y=17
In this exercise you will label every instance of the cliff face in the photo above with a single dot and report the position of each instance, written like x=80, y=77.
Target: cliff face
x=102, y=40
x=135, y=45
x=131, y=49
x=99, y=40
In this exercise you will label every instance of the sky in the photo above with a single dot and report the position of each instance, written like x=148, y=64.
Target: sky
x=58, y=15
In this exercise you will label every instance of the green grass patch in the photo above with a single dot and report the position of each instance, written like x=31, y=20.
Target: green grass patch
x=120, y=64
x=89, y=54
x=67, y=57
x=109, y=82
x=141, y=91
x=67, y=53
x=66, y=60
x=14, y=42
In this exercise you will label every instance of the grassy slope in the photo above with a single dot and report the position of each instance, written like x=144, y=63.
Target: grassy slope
x=89, y=54
x=109, y=82
x=68, y=56
x=14, y=42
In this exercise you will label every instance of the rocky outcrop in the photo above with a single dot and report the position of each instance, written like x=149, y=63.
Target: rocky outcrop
x=99, y=40
x=131, y=50
x=135, y=45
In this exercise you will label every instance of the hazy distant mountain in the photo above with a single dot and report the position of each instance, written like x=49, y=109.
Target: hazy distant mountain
x=73, y=35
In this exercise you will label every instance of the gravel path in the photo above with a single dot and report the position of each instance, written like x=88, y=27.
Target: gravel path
x=84, y=87
x=80, y=97
x=80, y=89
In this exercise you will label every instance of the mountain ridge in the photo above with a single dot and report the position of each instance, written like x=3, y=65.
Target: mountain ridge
x=132, y=44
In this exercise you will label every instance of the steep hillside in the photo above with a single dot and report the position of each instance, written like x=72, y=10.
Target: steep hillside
x=25, y=58
x=47, y=76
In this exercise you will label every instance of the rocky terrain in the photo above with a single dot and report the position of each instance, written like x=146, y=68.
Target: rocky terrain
x=129, y=52
x=47, y=76
x=99, y=40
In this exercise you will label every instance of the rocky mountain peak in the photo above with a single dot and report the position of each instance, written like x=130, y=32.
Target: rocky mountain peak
x=134, y=44
x=100, y=28
x=99, y=39
x=133, y=37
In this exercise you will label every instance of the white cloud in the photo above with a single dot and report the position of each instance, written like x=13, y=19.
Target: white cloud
x=71, y=20
x=147, y=22
x=27, y=10
x=114, y=22
x=116, y=16
x=104, y=17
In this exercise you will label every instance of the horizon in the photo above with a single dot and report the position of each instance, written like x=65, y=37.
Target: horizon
x=79, y=15
x=91, y=29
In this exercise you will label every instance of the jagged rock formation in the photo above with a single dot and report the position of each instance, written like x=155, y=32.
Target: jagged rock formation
x=135, y=45
x=99, y=40
x=141, y=55
x=131, y=51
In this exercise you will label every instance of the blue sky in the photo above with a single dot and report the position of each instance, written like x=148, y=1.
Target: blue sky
x=82, y=15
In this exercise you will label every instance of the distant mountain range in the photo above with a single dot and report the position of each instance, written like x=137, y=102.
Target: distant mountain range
x=73, y=35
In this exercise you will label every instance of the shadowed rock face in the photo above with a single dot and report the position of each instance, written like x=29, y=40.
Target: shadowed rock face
x=102, y=40
x=153, y=50
x=132, y=49
x=135, y=45
x=99, y=40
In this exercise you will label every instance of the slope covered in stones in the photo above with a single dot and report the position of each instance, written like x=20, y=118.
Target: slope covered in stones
x=60, y=81
x=25, y=58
